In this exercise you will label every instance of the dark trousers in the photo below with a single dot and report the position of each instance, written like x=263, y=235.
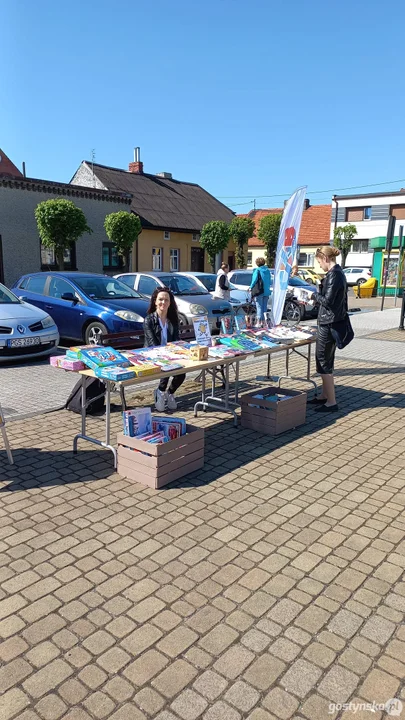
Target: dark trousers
x=177, y=380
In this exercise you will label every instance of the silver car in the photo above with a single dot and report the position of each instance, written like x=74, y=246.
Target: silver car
x=25, y=331
x=239, y=298
x=191, y=298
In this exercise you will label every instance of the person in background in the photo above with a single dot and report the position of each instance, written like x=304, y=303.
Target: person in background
x=222, y=286
x=161, y=326
x=262, y=298
x=294, y=271
x=332, y=301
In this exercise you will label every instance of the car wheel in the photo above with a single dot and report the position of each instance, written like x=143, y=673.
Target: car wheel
x=182, y=319
x=292, y=312
x=93, y=333
x=360, y=281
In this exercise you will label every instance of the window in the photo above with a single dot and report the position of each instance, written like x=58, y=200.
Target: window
x=59, y=286
x=48, y=258
x=398, y=211
x=360, y=246
x=367, y=213
x=111, y=259
x=157, y=258
x=166, y=235
x=36, y=284
x=127, y=280
x=147, y=285
x=242, y=279
x=249, y=259
x=196, y=237
x=355, y=214
x=306, y=259
x=174, y=260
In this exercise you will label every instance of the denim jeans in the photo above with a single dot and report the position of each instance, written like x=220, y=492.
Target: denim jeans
x=261, y=307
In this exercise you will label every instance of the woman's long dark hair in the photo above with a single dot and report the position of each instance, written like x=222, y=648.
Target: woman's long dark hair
x=172, y=313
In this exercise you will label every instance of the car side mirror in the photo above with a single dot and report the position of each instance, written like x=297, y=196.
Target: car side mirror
x=70, y=297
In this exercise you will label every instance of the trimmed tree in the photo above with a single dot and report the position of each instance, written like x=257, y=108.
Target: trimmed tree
x=241, y=229
x=269, y=229
x=60, y=223
x=123, y=229
x=343, y=239
x=214, y=239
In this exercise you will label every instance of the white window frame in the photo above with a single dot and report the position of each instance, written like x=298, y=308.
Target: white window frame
x=196, y=237
x=172, y=257
x=157, y=254
x=166, y=235
x=250, y=259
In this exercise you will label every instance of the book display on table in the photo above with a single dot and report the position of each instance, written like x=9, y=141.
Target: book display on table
x=155, y=450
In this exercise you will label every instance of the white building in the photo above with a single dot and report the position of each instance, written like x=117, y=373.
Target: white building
x=370, y=214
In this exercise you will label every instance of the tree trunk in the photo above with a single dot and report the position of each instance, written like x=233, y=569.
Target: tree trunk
x=59, y=252
x=240, y=255
x=126, y=261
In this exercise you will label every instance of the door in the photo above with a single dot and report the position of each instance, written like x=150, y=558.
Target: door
x=197, y=260
x=1, y=262
x=231, y=260
x=68, y=315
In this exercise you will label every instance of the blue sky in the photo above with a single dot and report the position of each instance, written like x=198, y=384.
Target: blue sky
x=247, y=99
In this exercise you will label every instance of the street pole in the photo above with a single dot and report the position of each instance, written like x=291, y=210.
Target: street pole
x=401, y=318
x=388, y=247
x=400, y=236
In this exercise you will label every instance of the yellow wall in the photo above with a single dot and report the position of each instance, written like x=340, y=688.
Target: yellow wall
x=149, y=239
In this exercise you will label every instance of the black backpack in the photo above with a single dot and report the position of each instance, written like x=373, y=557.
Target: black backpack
x=95, y=392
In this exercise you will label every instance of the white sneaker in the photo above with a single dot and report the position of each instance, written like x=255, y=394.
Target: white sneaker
x=171, y=401
x=160, y=400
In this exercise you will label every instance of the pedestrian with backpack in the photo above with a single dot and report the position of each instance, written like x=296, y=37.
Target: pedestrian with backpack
x=260, y=290
x=161, y=326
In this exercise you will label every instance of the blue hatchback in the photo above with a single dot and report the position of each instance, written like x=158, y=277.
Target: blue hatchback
x=84, y=305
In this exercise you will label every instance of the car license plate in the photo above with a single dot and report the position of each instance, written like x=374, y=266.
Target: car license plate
x=24, y=342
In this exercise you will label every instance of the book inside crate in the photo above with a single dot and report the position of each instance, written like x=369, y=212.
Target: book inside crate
x=156, y=465
x=273, y=410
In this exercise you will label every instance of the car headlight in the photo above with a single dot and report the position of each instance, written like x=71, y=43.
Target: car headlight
x=47, y=322
x=198, y=310
x=129, y=316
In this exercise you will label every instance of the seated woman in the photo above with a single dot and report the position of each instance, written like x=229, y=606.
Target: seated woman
x=161, y=326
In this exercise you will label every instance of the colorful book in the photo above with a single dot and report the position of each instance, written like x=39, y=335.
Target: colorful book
x=61, y=361
x=202, y=330
x=98, y=357
x=115, y=373
x=75, y=352
x=137, y=421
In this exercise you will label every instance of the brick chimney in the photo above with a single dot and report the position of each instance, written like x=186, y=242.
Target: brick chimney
x=7, y=167
x=137, y=165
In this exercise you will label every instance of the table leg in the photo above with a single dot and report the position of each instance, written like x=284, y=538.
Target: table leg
x=83, y=436
x=6, y=443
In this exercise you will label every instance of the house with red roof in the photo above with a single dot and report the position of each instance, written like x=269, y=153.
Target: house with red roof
x=314, y=232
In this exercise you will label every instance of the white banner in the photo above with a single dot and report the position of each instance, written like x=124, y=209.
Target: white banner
x=286, y=250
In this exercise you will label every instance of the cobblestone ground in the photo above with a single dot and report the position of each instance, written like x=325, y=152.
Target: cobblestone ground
x=267, y=585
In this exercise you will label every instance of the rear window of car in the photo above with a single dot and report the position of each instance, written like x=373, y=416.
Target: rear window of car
x=36, y=284
x=242, y=278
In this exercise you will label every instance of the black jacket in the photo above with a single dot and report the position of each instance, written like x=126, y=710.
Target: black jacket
x=153, y=332
x=332, y=298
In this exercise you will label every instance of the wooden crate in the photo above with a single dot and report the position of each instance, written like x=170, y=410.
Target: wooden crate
x=163, y=463
x=270, y=417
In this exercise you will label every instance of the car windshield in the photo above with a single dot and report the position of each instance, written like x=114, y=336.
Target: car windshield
x=104, y=288
x=182, y=285
x=209, y=281
x=242, y=278
x=7, y=297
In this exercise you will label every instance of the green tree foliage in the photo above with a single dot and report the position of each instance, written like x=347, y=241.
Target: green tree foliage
x=343, y=240
x=241, y=229
x=122, y=229
x=60, y=223
x=269, y=229
x=214, y=239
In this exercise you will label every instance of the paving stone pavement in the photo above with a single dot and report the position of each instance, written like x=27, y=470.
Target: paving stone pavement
x=267, y=585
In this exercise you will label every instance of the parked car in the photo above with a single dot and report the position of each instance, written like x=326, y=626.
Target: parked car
x=241, y=279
x=357, y=275
x=192, y=298
x=25, y=331
x=84, y=305
x=309, y=275
x=301, y=290
x=239, y=298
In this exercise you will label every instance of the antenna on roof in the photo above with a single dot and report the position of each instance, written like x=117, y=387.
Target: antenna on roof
x=254, y=204
x=137, y=154
x=93, y=157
